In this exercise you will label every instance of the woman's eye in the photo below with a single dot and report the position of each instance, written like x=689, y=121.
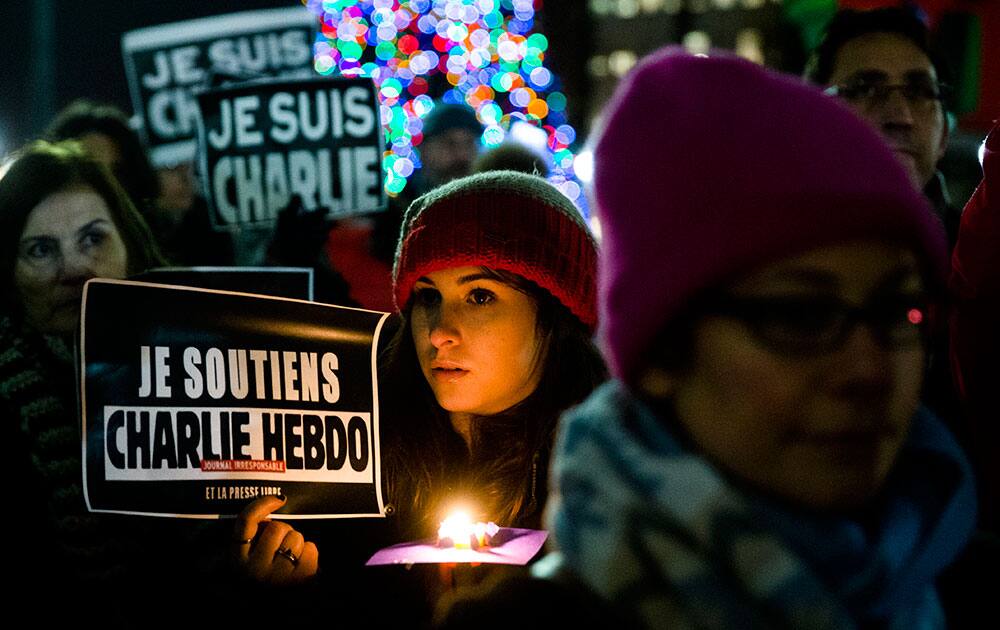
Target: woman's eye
x=481, y=297
x=427, y=297
x=39, y=250
x=801, y=317
x=93, y=238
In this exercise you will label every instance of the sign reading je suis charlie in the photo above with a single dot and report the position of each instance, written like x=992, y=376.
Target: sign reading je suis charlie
x=167, y=63
x=263, y=142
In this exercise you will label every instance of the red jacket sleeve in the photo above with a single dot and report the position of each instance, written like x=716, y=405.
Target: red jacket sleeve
x=975, y=328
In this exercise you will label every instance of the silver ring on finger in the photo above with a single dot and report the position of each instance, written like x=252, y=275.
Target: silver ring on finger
x=287, y=555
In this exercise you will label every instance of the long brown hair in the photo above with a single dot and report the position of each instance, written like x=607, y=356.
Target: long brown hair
x=505, y=470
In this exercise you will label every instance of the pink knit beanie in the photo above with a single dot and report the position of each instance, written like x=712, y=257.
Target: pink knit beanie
x=503, y=220
x=708, y=167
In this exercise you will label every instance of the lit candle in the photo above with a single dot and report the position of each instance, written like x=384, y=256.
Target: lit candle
x=459, y=531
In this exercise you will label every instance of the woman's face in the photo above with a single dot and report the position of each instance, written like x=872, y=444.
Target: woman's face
x=776, y=397
x=68, y=238
x=476, y=340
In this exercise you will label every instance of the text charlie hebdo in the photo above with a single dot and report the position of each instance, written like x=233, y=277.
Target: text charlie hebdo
x=233, y=411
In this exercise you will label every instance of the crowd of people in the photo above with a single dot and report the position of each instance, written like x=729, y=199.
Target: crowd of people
x=762, y=398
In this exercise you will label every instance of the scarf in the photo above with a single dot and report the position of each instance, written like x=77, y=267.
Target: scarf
x=38, y=390
x=660, y=532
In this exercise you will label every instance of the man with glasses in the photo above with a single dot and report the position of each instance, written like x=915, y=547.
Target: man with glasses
x=881, y=63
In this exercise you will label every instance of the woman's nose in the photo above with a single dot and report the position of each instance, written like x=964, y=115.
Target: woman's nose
x=444, y=327
x=867, y=367
x=77, y=266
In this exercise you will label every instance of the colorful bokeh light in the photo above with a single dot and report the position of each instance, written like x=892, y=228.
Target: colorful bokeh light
x=484, y=49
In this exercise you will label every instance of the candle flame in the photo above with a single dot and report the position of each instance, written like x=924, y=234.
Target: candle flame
x=463, y=533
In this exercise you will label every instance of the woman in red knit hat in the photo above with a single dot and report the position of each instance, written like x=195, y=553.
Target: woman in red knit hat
x=495, y=277
x=494, y=280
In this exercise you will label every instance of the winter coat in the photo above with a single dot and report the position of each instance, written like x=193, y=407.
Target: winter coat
x=108, y=568
x=975, y=329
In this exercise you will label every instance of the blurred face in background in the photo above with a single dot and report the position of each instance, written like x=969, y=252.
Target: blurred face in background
x=448, y=155
x=67, y=239
x=102, y=148
x=177, y=189
x=804, y=376
x=892, y=84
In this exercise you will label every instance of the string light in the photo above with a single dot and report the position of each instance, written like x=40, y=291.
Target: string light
x=488, y=53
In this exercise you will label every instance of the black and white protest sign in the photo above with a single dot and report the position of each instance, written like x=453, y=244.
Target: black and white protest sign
x=262, y=142
x=196, y=401
x=165, y=63
x=288, y=282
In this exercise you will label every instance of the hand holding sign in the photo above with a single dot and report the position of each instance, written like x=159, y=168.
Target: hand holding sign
x=272, y=551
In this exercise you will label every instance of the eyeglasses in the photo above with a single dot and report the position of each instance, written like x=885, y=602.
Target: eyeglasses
x=918, y=93
x=807, y=326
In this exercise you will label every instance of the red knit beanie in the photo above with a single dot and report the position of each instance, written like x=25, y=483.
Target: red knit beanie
x=707, y=168
x=503, y=220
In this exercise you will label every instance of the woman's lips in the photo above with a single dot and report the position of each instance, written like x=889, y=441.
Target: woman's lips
x=68, y=304
x=69, y=297
x=447, y=371
x=447, y=374
x=852, y=444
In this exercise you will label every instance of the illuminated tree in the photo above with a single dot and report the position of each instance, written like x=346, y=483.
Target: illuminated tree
x=480, y=52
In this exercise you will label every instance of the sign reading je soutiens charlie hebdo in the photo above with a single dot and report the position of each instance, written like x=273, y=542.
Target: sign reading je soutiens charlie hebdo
x=166, y=63
x=263, y=142
x=195, y=402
